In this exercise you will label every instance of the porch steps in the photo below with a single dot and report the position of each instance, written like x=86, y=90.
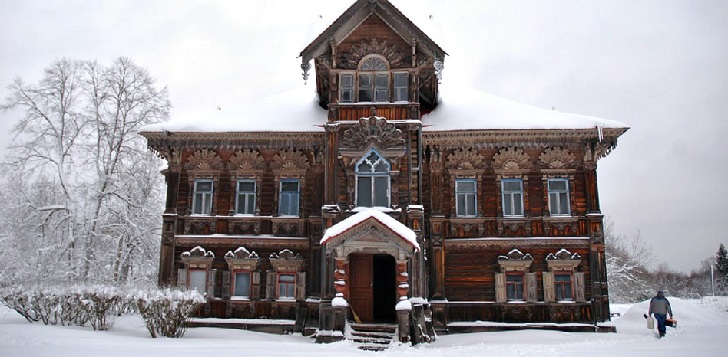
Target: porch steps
x=373, y=337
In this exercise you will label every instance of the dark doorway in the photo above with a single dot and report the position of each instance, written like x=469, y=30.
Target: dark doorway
x=384, y=288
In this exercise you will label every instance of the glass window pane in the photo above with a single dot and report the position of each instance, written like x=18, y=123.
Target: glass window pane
x=400, y=79
x=470, y=207
x=289, y=186
x=517, y=204
x=364, y=167
x=198, y=280
x=364, y=192
x=347, y=80
x=242, y=284
x=381, y=194
x=246, y=186
x=465, y=186
x=381, y=80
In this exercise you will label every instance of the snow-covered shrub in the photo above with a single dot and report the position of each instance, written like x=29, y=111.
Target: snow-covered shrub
x=94, y=305
x=166, y=312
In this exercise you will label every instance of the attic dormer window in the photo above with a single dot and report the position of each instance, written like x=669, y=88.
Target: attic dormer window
x=373, y=82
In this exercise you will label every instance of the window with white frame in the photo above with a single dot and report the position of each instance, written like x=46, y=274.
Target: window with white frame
x=245, y=197
x=241, y=284
x=202, y=197
x=559, y=204
x=372, y=82
x=466, y=194
x=372, y=181
x=287, y=286
x=512, y=197
x=288, y=199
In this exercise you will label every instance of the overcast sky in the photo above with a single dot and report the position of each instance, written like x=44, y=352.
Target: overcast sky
x=659, y=66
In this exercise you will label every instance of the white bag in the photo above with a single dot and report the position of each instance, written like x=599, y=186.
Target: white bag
x=650, y=323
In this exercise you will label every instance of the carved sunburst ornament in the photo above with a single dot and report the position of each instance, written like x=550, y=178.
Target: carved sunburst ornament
x=246, y=160
x=204, y=160
x=372, y=129
x=351, y=59
x=465, y=160
x=557, y=158
x=511, y=159
x=290, y=159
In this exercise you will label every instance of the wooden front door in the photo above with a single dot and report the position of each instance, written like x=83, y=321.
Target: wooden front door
x=360, y=286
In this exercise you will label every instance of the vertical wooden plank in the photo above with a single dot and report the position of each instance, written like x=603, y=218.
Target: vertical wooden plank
x=210, y=286
x=182, y=278
x=226, y=279
x=579, y=287
x=301, y=286
x=500, y=287
x=549, y=295
x=270, y=285
x=531, y=287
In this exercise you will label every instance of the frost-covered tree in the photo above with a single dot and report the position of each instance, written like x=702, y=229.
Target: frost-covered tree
x=98, y=208
x=627, y=261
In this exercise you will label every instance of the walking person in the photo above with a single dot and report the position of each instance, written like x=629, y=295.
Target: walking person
x=660, y=306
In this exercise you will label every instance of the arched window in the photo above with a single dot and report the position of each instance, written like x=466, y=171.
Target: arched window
x=373, y=79
x=372, y=181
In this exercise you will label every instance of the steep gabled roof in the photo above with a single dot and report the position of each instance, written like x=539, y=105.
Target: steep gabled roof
x=357, y=13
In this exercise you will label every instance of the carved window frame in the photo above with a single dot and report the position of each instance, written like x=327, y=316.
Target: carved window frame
x=246, y=165
x=565, y=263
x=291, y=197
x=197, y=260
x=373, y=175
x=290, y=165
x=381, y=82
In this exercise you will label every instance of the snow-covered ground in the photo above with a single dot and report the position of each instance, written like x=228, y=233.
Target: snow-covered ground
x=702, y=331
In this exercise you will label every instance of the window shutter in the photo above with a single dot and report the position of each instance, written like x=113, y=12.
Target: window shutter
x=579, y=287
x=531, y=287
x=500, y=287
x=549, y=295
x=182, y=278
x=226, y=278
x=270, y=286
x=255, y=286
x=301, y=286
x=211, y=275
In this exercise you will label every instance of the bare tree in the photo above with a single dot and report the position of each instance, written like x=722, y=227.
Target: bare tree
x=79, y=131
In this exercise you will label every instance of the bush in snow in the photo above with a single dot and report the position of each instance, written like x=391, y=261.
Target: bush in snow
x=94, y=305
x=166, y=312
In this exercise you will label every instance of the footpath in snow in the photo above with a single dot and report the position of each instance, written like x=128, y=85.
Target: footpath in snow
x=702, y=331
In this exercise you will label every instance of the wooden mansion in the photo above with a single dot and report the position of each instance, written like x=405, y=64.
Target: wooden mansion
x=380, y=203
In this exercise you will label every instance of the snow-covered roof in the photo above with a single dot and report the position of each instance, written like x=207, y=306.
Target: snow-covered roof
x=396, y=226
x=297, y=110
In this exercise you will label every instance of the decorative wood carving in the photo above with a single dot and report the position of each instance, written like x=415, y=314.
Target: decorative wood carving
x=204, y=160
x=374, y=130
x=290, y=162
x=511, y=159
x=557, y=158
x=515, y=260
x=286, y=260
x=351, y=59
x=465, y=160
x=563, y=260
x=198, y=257
x=242, y=259
x=246, y=161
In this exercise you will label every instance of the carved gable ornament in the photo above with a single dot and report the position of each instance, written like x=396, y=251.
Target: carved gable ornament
x=372, y=130
x=242, y=259
x=365, y=48
x=246, y=162
x=290, y=162
x=515, y=260
x=563, y=260
x=204, y=162
x=198, y=257
x=557, y=158
x=511, y=159
x=465, y=160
